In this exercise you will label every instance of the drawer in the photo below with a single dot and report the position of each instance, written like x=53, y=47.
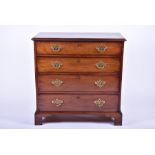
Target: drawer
x=77, y=83
x=80, y=48
x=47, y=64
x=78, y=103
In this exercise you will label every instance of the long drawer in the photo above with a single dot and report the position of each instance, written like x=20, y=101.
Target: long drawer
x=99, y=103
x=49, y=64
x=80, y=48
x=77, y=83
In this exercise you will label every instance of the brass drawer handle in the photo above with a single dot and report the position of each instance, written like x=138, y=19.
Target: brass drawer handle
x=101, y=48
x=57, y=102
x=57, y=64
x=100, y=65
x=57, y=82
x=99, y=102
x=56, y=48
x=100, y=83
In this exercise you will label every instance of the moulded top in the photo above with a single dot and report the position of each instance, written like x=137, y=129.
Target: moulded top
x=78, y=36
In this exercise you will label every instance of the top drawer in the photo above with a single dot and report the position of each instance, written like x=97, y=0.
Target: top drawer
x=80, y=48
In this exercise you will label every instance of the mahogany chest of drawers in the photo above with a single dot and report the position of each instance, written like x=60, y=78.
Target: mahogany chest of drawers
x=78, y=77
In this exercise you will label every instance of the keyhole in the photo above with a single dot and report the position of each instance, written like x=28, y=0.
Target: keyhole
x=78, y=61
x=78, y=44
x=78, y=97
x=78, y=76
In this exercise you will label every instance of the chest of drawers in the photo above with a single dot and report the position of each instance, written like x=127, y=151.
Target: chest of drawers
x=78, y=77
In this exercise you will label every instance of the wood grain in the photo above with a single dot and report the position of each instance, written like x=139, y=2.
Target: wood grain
x=77, y=83
x=78, y=103
x=80, y=36
x=82, y=48
x=78, y=73
x=77, y=116
x=78, y=64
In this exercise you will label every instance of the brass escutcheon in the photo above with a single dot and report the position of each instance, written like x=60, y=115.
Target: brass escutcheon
x=100, y=65
x=101, y=48
x=100, y=83
x=57, y=102
x=99, y=102
x=57, y=82
x=57, y=64
x=56, y=48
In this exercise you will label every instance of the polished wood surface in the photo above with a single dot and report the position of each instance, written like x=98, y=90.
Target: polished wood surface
x=80, y=36
x=79, y=48
x=77, y=116
x=78, y=64
x=78, y=103
x=74, y=95
x=77, y=83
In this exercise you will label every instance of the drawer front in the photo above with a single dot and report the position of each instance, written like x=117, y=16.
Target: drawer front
x=78, y=103
x=77, y=83
x=99, y=48
x=78, y=64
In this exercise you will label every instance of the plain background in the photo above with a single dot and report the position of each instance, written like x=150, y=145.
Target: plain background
x=17, y=93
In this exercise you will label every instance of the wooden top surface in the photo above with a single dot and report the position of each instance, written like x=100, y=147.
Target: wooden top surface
x=78, y=36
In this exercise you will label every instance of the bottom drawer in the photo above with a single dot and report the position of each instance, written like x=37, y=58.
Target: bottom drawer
x=105, y=103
